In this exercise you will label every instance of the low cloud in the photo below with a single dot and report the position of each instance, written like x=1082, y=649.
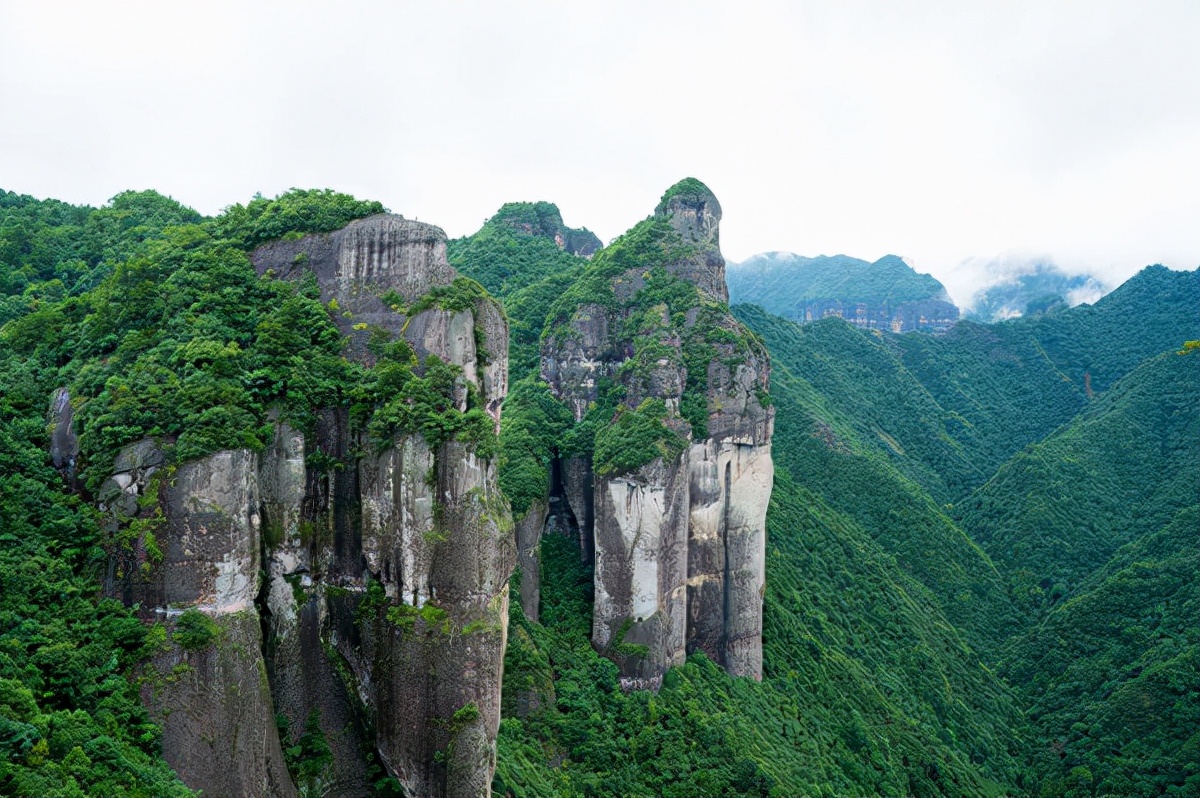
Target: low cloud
x=1012, y=285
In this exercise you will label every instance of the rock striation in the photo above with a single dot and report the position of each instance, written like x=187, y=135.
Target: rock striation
x=672, y=502
x=355, y=580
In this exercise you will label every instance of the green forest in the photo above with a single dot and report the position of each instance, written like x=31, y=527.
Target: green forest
x=981, y=554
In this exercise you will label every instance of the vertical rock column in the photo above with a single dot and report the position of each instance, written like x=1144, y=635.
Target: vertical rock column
x=416, y=586
x=641, y=530
x=213, y=699
x=679, y=546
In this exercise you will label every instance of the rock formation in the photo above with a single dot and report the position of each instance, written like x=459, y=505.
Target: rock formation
x=357, y=585
x=544, y=219
x=679, y=529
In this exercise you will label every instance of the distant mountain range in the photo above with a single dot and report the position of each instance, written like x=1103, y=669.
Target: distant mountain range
x=887, y=294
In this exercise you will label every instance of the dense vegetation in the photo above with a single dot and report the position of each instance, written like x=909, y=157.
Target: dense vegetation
x=782, y=282
x=155, y=321
x=982, y=545
x=881, y=442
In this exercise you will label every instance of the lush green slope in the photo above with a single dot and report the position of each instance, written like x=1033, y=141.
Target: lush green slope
x=860, y=432
x=863, y=384
x=1058, y=510
x=948, y=410
x=867, y=689
x=1112, y=675
x=1015, y=382
x=525, y=242
x=71, y=722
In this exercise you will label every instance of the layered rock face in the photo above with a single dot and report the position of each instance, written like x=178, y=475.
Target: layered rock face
x=679, y=539
x=411, y=544
x=358, y=586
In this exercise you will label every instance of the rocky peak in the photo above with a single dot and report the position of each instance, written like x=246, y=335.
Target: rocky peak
x=680, y=473
x=694, y=213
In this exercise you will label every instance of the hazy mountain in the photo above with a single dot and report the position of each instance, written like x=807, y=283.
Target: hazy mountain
x=887, y=294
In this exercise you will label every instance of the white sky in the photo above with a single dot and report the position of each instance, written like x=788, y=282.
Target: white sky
x=958, y=135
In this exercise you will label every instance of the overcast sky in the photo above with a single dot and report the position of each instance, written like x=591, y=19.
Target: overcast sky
x=966, y=137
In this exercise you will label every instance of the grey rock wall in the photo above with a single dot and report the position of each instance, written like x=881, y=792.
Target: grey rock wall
x=411, y=595
x=379, y=573
x=679, y=546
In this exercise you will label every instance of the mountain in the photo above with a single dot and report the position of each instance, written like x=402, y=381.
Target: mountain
x=283, y=424
x=885, y=295
x=1123, y=468
x=1042, y=289
x=256, y=538
x=876, y=717
x=523, y=243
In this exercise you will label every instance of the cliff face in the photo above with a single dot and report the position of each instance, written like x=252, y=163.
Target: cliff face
x=681, y=468
x=355, y=572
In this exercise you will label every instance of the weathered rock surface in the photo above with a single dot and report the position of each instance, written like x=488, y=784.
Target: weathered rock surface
x=411, y=546
x=215, y=708
x=679, y=545
x=377, y=571
x=64, y=442
x=529, y=532
x=696, y=216
x=215, y=703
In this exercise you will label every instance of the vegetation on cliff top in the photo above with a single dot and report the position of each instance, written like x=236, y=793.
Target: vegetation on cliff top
x=1010, y=504
x=687, y=189
x=155, y=320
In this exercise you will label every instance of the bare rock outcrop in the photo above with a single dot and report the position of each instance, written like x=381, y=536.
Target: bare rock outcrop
x=410, y=543
x=680, y=539
x=347, y=583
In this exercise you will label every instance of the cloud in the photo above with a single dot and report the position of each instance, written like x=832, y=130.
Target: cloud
x=939, y=132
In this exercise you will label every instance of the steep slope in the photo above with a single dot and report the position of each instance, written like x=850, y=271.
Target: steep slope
x=1015, y=382
x=522, y=244
x=1110, y=675
x=885, y=295
x=948, y=410
x=864, y=436
x=1125, y=467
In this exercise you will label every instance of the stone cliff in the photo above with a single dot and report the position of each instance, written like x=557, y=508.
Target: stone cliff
x=353, y=577
x=671, y=501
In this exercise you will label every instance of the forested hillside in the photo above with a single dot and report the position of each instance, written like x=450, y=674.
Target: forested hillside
x=885, y=295
x=981, y=545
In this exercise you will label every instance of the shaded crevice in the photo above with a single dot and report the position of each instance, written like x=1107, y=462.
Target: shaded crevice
x=560, y=518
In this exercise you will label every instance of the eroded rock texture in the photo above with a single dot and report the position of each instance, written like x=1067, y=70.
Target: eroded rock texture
x=679, y=542
x=408, y=547
x=358, y=588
